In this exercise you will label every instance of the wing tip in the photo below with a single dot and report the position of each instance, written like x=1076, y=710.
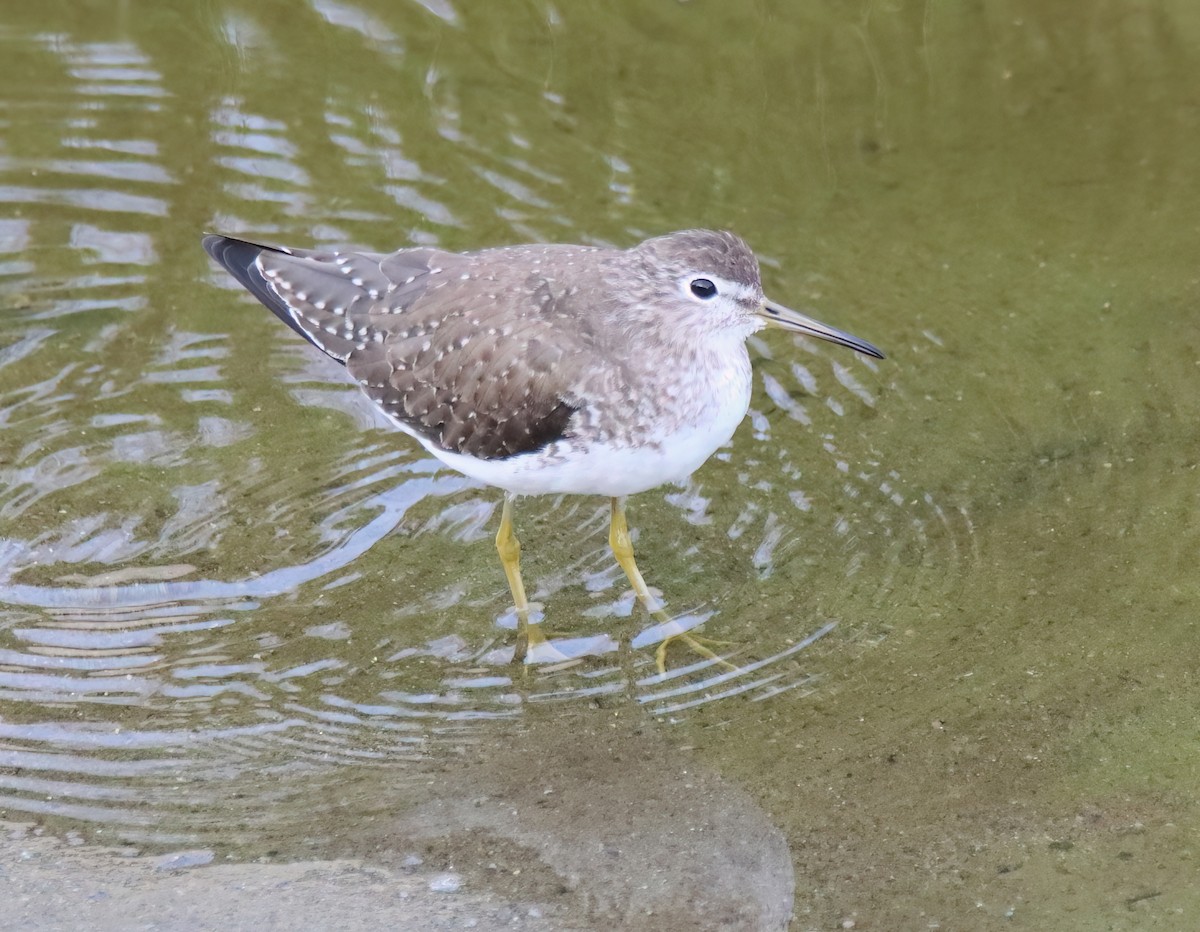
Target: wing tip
x=236, y=256
x=239, y=257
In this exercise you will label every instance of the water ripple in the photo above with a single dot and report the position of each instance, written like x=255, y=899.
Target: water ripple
x=225, y=582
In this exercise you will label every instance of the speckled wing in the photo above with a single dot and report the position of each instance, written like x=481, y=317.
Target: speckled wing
x=455, y=351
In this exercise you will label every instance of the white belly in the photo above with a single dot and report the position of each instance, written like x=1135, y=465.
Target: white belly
x=600, y=469
x=580, y=468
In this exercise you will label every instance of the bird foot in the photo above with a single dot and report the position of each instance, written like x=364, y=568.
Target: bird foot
x=698, y=645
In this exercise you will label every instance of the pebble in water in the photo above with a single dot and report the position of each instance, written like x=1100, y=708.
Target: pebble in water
x=446, y=883
x=181, y=860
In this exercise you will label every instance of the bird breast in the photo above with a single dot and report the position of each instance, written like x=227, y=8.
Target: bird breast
x=688, y=404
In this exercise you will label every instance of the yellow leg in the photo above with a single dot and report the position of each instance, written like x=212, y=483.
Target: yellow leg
x=509, y=549
x=622, y=548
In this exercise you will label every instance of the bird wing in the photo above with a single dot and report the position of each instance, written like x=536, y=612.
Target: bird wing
x=463, y=354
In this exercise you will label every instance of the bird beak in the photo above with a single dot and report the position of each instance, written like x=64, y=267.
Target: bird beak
x=776, y=315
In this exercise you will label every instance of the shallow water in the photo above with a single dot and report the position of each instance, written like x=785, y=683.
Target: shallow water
x=239, y=613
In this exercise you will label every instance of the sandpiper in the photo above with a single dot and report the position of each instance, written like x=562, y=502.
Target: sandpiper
x=541, y=368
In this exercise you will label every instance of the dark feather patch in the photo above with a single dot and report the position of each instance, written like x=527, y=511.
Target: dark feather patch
x=238, y=258
x=435, y=350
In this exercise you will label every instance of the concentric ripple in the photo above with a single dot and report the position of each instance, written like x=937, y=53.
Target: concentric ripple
x=225, y=586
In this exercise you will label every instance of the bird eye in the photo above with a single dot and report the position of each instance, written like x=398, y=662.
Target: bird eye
x=703, y=288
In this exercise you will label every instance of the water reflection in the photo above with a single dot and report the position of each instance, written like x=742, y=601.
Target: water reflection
x=271, y=657
x=223, y=580
x=234, y=611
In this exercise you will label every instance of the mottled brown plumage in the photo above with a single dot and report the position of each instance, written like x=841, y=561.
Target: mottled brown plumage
x=541, y=368
x=544, y=349
x=412, y=329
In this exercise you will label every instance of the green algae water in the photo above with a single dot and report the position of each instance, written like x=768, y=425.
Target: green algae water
x=959, y=586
